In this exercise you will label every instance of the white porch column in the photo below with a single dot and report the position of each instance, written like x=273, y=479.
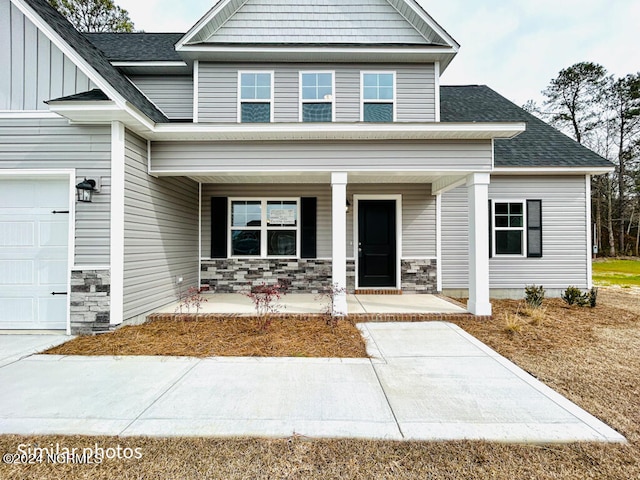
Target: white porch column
x=478, y=195
x=339, y=239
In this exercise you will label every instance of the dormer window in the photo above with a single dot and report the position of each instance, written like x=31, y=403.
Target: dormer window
x=317, y=97
x=378, y=96
x=255, y=99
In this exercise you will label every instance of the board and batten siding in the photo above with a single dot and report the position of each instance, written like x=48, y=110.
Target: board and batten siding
x=564, y=235
x=218, y=90
x=50, y=144
x=160, y=235
x=173, y=94
x=201, y=157
x=33, y=70
x=418, y=212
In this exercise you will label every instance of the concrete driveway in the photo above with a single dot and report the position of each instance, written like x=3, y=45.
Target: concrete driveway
x=426, y=381
x=14, y=346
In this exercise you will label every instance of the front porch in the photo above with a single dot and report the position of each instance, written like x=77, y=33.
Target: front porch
x=365, y=306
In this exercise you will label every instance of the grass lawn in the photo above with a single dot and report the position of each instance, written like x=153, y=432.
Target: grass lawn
x=617, y=272
x=589, y=355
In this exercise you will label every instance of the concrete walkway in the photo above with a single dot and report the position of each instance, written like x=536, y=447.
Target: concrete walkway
x=426, y=381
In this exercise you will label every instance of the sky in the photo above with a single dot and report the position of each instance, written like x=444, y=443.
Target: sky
x=514, y=46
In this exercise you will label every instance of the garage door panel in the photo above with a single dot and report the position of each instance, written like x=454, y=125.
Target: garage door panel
x=17, y=234
x=17, y=272
x=53, y=234
x=17, y=313
x=51, y=310
x=53, y=272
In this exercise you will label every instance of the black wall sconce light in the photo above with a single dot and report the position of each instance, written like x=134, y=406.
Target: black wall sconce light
x=85, y=190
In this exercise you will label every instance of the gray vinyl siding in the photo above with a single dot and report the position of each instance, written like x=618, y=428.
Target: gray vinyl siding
x=54, y=144
x=161, y=233
x=194, y=157
x=320, y=21
x=173, y=94
x=564, y=230
x=218, y=90
x=455, y=239
x=33, y=69
x=418, y=212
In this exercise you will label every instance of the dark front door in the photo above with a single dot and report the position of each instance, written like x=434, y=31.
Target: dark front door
x=377, y=243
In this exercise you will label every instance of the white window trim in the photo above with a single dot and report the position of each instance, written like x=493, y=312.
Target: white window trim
x=363, y=100
x=241, y=100
x=523, y=228
x=263, y=228
x=333, y=93
x=399, y=224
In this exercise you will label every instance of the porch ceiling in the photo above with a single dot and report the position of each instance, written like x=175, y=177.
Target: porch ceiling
x=325, y=177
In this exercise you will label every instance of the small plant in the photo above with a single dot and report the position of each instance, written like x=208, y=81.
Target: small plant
x=593, y=297
x=265, y=300
x=512, y=323
x=328, y=295
x=536, y=315
x=191, y=298
x=574, y=296
x=534, y=295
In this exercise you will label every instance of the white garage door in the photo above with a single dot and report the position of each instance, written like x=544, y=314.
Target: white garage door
x=34, y=245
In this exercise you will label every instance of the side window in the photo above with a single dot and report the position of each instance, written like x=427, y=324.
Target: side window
x=255, y=97
x=317, y=97
x=378, y=94
x=509, y=228
x=516, y=228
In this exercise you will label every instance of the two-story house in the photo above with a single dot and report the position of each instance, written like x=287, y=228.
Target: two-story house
x=309, y=143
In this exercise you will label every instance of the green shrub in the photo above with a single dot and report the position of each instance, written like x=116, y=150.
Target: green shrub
x=534, y=295
x=593, y=297
x=574, y=296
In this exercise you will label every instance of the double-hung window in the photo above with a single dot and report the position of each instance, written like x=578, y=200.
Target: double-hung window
x=378, y=96
x=264, y=227
x=517, y=228
x=316, y=97
x=255, y=99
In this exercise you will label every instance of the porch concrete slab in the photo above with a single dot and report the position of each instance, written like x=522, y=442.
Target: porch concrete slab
x=409, y=303
x=274, y=398
x=51, y=394
x=14, y=346
x=312, y=303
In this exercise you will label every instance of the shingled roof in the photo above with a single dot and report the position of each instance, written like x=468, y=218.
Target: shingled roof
x=541, y=145
x=96, y=59
x=137, y=47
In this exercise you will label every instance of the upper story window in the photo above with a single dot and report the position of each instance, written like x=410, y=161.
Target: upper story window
x=255, y=99
x=317, y=97
x=378, y=96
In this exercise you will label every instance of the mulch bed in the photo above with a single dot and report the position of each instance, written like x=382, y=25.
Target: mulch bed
x=231, y=337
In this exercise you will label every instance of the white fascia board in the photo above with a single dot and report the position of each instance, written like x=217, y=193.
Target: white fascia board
x=206, y=18
x=150, y=64
x=552, y=170
x=342, y=131
x=422, y=13
x=80, y=62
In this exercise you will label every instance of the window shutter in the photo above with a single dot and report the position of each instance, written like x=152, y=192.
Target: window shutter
x=308, y=225
x=219, y=227
x=490, y=231
x=534, y=228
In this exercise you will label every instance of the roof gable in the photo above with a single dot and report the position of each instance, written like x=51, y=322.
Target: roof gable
x=343, y=22
x=62, y=32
